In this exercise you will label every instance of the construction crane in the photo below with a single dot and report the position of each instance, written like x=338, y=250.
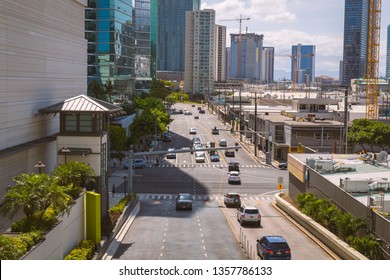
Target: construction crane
x=239, y=42
x=372, y=65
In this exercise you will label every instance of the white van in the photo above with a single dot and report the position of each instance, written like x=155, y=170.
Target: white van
x=200, y=157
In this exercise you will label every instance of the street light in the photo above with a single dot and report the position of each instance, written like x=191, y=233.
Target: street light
x=39, y=165
x=65, y=150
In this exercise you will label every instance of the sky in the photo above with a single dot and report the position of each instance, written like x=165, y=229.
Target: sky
x=289, y=22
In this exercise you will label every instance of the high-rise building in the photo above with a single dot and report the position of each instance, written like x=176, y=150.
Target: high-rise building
x=199, y=52
x=303, y=62
x=43, y=61
x=220, y=53
x=249, y=66
x=228, y=62
x=171, y=16
x=109, y=29
x=355, y=40
x=388, y=54
x=268, y=62
x=145, y=69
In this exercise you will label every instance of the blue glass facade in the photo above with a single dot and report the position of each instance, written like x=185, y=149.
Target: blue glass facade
x=110, y=34
x=388, y=54
x=355, y=40
x=304, y=57
x=171, y=33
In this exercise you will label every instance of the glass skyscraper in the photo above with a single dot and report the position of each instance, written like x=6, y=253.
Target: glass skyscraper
x=304, y=57
x=171, y=33
x=388, y=54
x=355, y=40
x=110, y=34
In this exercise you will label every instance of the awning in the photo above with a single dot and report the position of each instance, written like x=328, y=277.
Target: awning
x=75, y=151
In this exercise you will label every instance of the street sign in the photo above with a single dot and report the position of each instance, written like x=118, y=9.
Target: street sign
x=280, y=187
x=280, y=180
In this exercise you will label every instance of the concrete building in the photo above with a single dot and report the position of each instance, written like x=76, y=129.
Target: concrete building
x=220, y=53
x=267, y=65
x=199, y=52
x=43, y=61
x=246, y=57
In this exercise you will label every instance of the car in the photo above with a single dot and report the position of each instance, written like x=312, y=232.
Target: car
x=196, y=117
x=181, y=112
x=215, y=157
x=232, y=199
x=192, y=130
x=222, y=143
x=200, y=157
x=193, y=105
x=215, y=131
x=234, y=166
x=171, y=154
x=202, y=111
x=189, y=114
x=183, y=201
x=282, y=165
x=137, y=163
x=234, y=177
x=196, y=140
x=273, y=247
x=198, y=146
x=208, y=144
x=167, y=137
x=229, y=153
x=199, y=108
x=249, y=214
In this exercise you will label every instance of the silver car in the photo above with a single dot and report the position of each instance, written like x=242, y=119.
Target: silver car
x=248, y=214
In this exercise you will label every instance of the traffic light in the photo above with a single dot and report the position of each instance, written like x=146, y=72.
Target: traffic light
x=236, y=144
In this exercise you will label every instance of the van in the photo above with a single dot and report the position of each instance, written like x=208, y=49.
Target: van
x=200, y=157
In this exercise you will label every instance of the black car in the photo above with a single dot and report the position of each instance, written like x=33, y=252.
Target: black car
x=229, y=153
x=273, y=247
x=202, y=111
x=167, y=137
x=283, y=165
x=234, y=166
x=183, y=201
x=215, y=131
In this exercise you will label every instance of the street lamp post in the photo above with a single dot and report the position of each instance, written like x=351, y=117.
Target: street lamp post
x=255, y=146
x=65, y=150
x=39, y=165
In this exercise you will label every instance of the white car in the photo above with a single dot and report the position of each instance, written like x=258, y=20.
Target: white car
x=200, y=157
x=192, y=130
x=248, y=214
x=171, y=154
x=234, y=177
x=222, y=143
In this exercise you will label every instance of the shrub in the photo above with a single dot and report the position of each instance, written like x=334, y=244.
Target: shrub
x=84, y=251
x=117, y=209
x=34, y=223
x=13, y=248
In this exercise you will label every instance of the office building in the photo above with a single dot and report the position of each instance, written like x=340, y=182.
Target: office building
x=355, y=40
x=228, y=62
x=145, y=63
x=199, y=52
x=220, y=53
x=43, y=61
x=388, y=54
x=109, y=29
x=171, y=17
x=303, y=64
x=246, y=57
x=267, y=65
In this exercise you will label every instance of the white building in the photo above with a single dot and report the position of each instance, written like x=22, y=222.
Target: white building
x=220, y=53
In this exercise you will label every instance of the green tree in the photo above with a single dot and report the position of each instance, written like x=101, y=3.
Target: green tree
x=117, y=137
x=369, y=132
x=109, y=89
x=348, y=225
x=368, y=246
x=34, y=194
x=161, y=89
x=96, y=90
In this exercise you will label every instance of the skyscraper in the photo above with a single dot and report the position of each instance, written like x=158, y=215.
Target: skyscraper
x=268, y=62
x=110, y=34
x=304, y=58
x=199, y=52
x=220, y=53
x=251, y=49
x=355, y=40
x=171, y=34
x=388, y=54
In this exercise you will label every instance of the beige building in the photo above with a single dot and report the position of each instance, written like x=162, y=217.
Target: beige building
x=43, y=61
x=220, y=53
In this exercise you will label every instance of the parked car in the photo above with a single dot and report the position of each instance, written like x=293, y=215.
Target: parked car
x=229, y=153
x=222, y=142
x=249, y=214
x=137, y=163
x=183, y=201
x=192, y=130
x=234, y=177
x=283, y=165
x=232, y=199
x=234, y=166
x=273, y=247
x=215, y=158
x=171, y=154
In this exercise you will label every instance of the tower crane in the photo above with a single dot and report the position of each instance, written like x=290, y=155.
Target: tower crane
x=239, y=42
x=372, y=65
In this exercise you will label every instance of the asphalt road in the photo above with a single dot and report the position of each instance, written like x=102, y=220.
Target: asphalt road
x=210, y=230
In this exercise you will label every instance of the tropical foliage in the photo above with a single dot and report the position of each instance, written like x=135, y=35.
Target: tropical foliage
x=13, y=248
x=369, y=132
x=84, y=251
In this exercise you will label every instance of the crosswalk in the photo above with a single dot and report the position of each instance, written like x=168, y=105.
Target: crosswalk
x=203, y=197
x=202, y=165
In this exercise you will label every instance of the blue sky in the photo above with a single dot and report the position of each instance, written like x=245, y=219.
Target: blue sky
x=288, y=22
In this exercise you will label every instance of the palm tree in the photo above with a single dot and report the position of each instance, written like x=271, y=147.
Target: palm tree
x=96, y=90
x=109, y=89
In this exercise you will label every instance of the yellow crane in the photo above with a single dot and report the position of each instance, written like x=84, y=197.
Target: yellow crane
x=239, y=42
x=372, y=64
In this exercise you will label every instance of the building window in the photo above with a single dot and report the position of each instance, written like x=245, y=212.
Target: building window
x=70, y=122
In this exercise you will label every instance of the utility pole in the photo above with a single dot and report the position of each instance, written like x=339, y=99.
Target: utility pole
x=241, y=128
x=345, y=119
x=234, y=112
x=255, y=149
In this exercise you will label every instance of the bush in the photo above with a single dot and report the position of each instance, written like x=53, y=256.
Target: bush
x=13, y=248
x=35, y=223
x=84, y=251
x=117, y=209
